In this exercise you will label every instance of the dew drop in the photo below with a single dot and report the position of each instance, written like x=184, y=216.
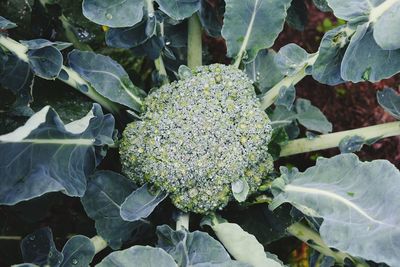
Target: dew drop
x=109, y=16
x=32, y=237
x=74, y=261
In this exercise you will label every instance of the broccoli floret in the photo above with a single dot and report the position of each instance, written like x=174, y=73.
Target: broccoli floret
x=198, y=136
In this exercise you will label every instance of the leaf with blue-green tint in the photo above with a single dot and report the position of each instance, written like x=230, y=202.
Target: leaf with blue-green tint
x=132, y=36
x=141, y=256
x=64, y=155
x=46, y=62
x=179, y=9
x=106, y=191
x=78, y=251
x=311, y=117
x=39, y=248
x=365, y=60
x=140, y=204
x=291, y=59
x=390, y=101
x=351, y=144
x=114, y=13
x=40, y=43
x=5, y=24
x=263, y=70
x=286, y=97
x=251, y=25
x=359, y=203
x=297, y=15
x=107, y=77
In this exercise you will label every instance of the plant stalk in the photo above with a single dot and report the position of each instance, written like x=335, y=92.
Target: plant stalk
x=74, y=79
x=314, y=240
x=269, y=98
x=182, y=221
x=99, y=243
x=195, y=52
x=331, y=140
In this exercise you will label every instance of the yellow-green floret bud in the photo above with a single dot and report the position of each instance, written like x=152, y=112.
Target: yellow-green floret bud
x=198, y=136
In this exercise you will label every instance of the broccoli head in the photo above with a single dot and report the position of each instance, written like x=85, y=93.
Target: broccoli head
x=198, y=137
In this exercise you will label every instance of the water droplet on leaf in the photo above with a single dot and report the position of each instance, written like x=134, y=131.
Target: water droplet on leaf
x=74, y=261
x=109, y=16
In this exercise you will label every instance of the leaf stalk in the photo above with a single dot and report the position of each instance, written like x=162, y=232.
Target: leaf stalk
x=195, y=53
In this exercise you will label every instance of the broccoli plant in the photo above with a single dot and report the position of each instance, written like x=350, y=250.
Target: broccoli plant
x=198, y=141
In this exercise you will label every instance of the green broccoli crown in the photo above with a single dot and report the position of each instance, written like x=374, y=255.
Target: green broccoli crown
x=198, y=136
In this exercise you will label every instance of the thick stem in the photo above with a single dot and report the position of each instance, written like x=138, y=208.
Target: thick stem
x=269, y=98
x=325, y=141
x=313, y=239
x=182, y=221
x=195, y=52
x=99, y=243
x=74, y=80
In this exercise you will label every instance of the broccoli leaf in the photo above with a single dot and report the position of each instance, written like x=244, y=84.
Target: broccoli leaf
x=311, y=117
x=358, y=202
x=291, y=59
x=45, y=155
x=41, y=43
x=193, y=249
x=242, y=245
x=366, y=60
x=390, y=101
x=179, y=9
x=141, y=256
x=46, y=62
x=78, y=251
x=260, y=23
x=107, y=77
x=140, y=204
x=5, y=24
x=105, y=193
x=114, y=13
x=263, y=70
x=39, y=248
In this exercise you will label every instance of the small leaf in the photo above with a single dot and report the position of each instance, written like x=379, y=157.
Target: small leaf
x=358, y=202
x=390, y=101
x=263, y=71
x=351, y=144
x=39, y=248
x=192, y=249
x=240, y=190
x=291, y=59
x=107, y=77
x=114, y=13
x=41, y=43
x=106, y=191
x=132, y=36
x=78, y=251
x=179, y=9
x=140, y=204
x=46, y=62
x=5, y=24
x=64, y=155
x=260, y=23
x=242, y=245
x=286, y=97
x=326, y=69
x=311, y=117
x=140, y=256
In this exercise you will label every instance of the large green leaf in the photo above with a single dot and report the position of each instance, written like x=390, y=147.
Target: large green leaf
x=138, y=256
x=359, y=203
x=380, y=14
x=251, y=25
x=365, y=60
x=45, y=155
x=107, y=77
x=242, y=245
x=193, y=249
x=105, y=193
x=179, y=9
x=114, y=13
